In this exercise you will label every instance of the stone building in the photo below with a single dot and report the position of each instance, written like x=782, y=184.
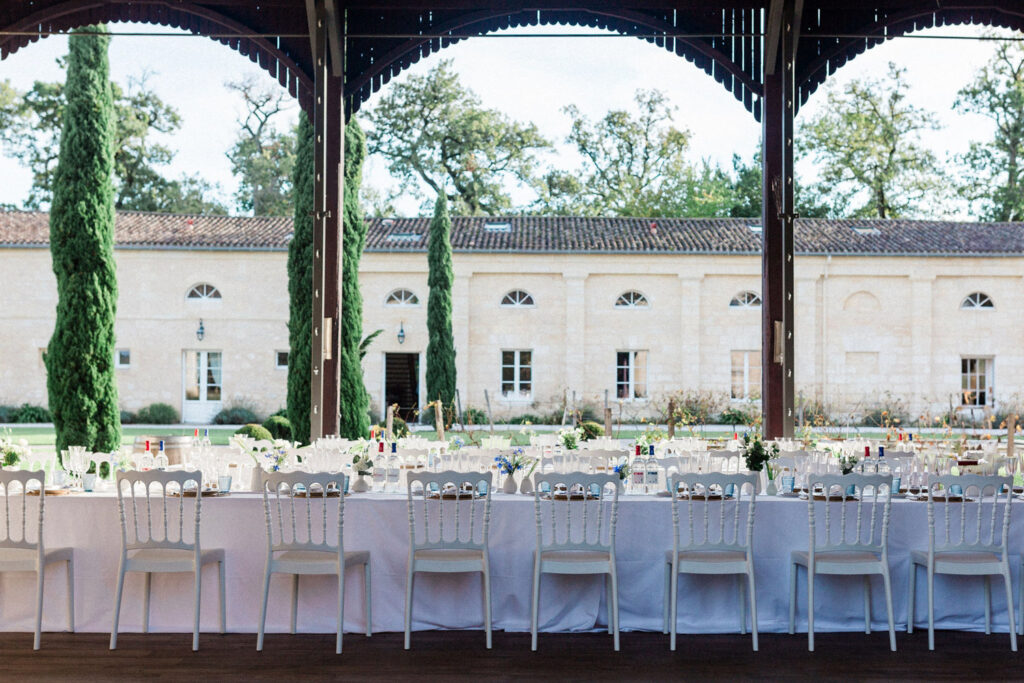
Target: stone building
x=917, y=314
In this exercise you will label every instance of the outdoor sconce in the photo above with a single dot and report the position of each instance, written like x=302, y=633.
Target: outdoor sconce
x=401, y=333
x=200, y=331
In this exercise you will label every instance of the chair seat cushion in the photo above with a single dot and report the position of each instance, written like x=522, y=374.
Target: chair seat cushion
x=448, y=554
x=170, y=559
x=322, y=556
x=708, y=556
x=575, y=561
x=24, y=559
x=949, y=560
x=803, y=557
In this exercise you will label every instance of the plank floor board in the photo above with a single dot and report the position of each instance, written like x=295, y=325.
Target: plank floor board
x=458, y=655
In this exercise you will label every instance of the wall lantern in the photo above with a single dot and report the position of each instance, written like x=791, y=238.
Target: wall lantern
x=401, y=333
x=200, y=331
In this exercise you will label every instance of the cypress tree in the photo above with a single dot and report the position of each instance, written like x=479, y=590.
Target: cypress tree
x=354, y=402
x=80, y=357
x=441, y=344
x=300, y=284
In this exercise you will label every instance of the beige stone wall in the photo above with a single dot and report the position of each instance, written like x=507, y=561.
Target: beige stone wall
x=865, y=325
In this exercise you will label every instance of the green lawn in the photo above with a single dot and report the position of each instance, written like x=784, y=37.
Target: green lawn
x=44, y=435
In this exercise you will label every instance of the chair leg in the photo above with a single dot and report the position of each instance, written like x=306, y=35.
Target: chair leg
x=487, y=602
x=40, y=576
x=608, y=602
x=535, y=607
x=743, y=605
x=341, y=608
x=71, y=594
x=295, y=602
x=753, y=606
x=810, y=609
x=988, y=605
x=931, y=607
x=408, y=604
x=673, y=607
x=195, y=607
x=793, y=569
x=867, y=604
x=222, y=607
x=887, y=583
x=146, y=590
x=117, y=605
x=366, y=599
x=263, y=610
x=665, y=598
x=910, y=596
x=1009, y=608
x=1020, y=601
x=615, y=606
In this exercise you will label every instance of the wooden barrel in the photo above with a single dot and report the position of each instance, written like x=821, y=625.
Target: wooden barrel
x=175, y=447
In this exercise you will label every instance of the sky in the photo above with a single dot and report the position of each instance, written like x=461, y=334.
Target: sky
x=528, y=78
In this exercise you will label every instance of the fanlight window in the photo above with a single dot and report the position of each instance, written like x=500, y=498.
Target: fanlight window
x=203, y=291
x=746, y=300
x=631, y=299
x=977, y=300
x=402, y=297
x=517, y=297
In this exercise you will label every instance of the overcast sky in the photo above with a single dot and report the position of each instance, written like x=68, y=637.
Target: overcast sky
x=529, y=78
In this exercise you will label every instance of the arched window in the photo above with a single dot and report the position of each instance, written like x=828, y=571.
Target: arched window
x=746, y=299
x=203, y=291
x=402, y=297
x=977, y=300
x=517, y=297
x=631, y=299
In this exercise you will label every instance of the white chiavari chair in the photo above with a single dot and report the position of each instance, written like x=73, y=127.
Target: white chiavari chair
x=305, y=516
x=449, y=519
x=23, y=553
x=968, y=543
x=852, y=541
x=149, y=543
x=576, y=535
x=713, y=543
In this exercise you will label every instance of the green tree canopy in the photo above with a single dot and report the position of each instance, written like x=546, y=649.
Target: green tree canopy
x=433, y=132
x=994, y=177
x=300, y=285
x=440, y=278
x=80, y=357
x=867, y=144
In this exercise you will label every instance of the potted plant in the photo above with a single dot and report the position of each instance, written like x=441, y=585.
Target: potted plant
x=758, y=458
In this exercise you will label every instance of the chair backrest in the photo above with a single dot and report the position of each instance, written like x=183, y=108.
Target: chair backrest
x=963, y=520
x=576, y=510
x=601, y=460
x=140, y=488
x=545, y=440
x=849, y=512
x=13, y=487
x=733, y=494
x=304, y=510
x=449, y=509
x=498, y=442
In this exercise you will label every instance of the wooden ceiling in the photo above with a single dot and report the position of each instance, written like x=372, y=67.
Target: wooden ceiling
x=725, y=38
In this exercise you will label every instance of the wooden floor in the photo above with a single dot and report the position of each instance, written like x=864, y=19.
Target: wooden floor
x=454, y=655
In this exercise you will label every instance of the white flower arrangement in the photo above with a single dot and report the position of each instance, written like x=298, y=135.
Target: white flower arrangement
x=269, y=455
x=13, y=452
x=570, y=438
x=362, y=464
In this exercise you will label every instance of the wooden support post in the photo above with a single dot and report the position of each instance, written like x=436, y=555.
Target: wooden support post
x=439, y=420
x=319, y=41
x=490, y=417
x=389, y=425
x=671, y=418
x=608, y=422
x=575, y=422
x=1011, y=433
x=458, y=407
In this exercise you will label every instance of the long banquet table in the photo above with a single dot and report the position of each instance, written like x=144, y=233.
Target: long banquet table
x=379, y=522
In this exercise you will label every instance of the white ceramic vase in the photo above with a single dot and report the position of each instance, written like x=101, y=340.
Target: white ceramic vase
x=360, y=485
x=510, y=484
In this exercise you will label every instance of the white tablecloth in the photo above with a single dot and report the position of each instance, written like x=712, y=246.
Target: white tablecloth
x=379, y=523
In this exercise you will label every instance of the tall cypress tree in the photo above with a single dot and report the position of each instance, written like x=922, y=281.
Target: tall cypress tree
x=300, y=285
x=80, y=357
x=441, y=344
x=354, y=402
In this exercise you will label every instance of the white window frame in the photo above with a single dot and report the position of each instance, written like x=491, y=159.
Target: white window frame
x=631, y=372
x=277, y=359
x=747, y=385
x=517, y=365
x=204, y=291
x=748, y=298
x=632, y=298
x=987, y=400
x=117, y=358
x=401, y=297
x=977, y=301
x=517, y=298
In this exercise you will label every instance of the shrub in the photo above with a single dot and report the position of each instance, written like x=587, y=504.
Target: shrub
x=128, y=417
x=279, y=427
x=526, y=417
x=8, y=413
x=157, y=414
x=398, y=425
x=280, y=412
x=474, y=416
x=236, y=415
x=30, y=414
x=255, y=431
x=591, y=430
x=734, y=416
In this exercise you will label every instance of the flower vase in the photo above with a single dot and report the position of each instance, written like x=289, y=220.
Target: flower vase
x=256, y=480
x=510, y=484
x=770, y=489
x=526, y=485
x=361, y=484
